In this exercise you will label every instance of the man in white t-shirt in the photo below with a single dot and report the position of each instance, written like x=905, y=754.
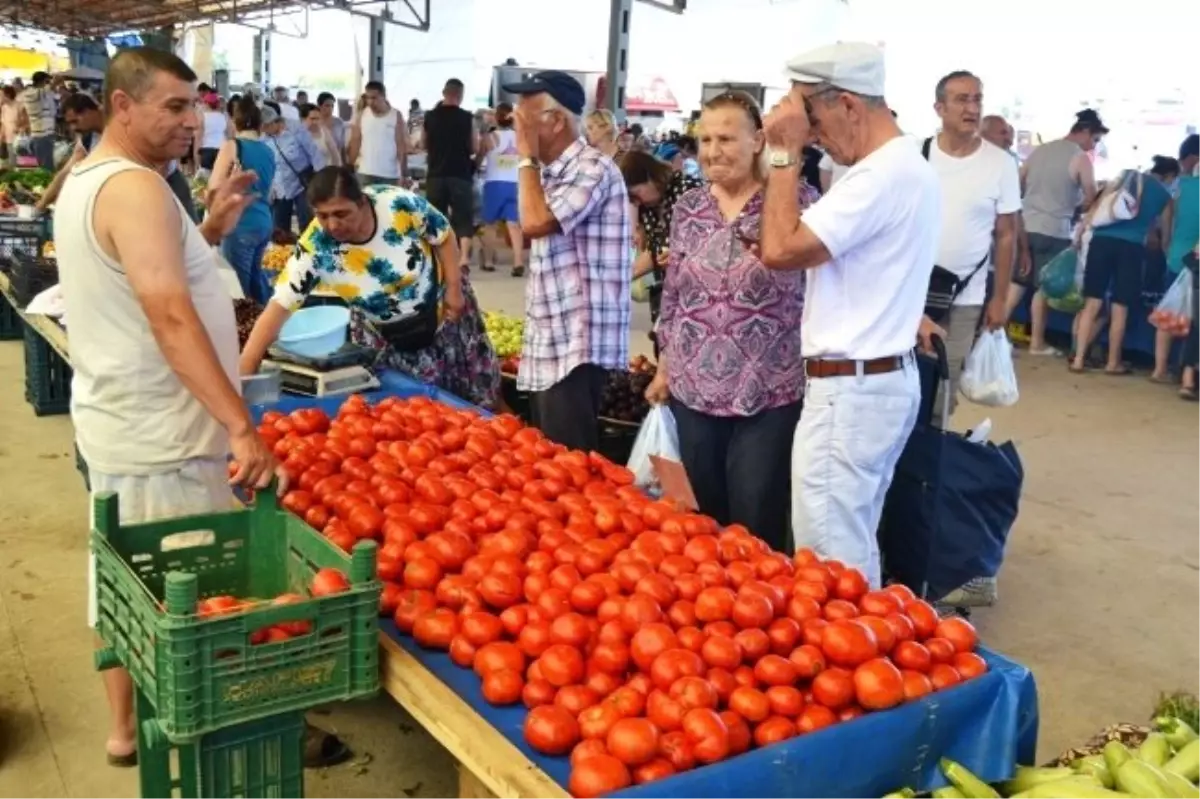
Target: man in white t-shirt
x=869, y=245
x=981, y=201
x=287, y=110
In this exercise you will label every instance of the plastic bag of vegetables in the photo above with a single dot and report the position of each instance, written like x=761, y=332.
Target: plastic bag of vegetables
x=1174, y=312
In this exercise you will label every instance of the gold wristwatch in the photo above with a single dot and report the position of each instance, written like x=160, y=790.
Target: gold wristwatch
x=781, y=159
x=529, y=163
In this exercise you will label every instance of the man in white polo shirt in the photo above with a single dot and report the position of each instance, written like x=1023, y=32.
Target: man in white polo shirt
x=869, y=244
x=981, y=200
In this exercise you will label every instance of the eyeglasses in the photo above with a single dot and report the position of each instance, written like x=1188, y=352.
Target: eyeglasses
x=808, y=107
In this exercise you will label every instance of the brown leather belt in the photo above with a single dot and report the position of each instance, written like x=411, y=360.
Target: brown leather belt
x=816, y=367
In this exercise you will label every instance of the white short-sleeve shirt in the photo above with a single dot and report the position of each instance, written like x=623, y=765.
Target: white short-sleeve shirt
x=975, y=190
x=880, y=224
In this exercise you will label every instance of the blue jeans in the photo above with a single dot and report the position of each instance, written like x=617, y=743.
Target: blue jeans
x=244, y=249
x=43, y=150
x=282, y=211
x=847, y=443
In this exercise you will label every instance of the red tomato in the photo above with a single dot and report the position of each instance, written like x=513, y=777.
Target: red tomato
x=878, y=684
x=589, y=747
x=940, y=649
x=328, y=581
x=885, y=639
x=944, y=676
x=707, y=733
x=691, y=638
x=784, y=633
x=502, y=686
x=812, y=631
x=969, y=665
x=879, y=603
x=649, y=642
x=751, y=610
x=850, y=585
x=656, y=769
x=774, y=730
x=640, y=610
x=775, y=670
x=551, y=730
x=500, y=590
x=750, y=703
x=786, y=700
x=848, y=642
x=808, y=660
x=570, y=628
x=576, y=698
x=538, y=693
x=677, y=750
x=836, y=609
x=692, y=692
x=913, y=656
x=739, y=732
x=673, y=664
x=916, y=684
x=597, y=720
x=462, y=652
x=754, y=643
x=665, y=712
x=923, y=616
x=721, y=652
x=598, y=776
x=833, y=688
x=902, y=626
x=715, y=604
x=815, y=717
x=413, y=604
x=633, y=741
x=628, y=701
x=422, y=573
x=436, y=628
x=959, y=632
x=499, y=655
x=562, y=665
x=611, y=657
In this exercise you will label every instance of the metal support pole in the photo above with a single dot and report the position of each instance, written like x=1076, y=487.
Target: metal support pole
x=375, y=49
x=618, y=56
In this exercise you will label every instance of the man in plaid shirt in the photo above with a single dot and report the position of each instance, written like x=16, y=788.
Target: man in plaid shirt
x=574, y=207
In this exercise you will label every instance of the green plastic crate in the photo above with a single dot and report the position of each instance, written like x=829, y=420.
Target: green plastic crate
x=263, y=758
x=12, y=326
x=47, y=376
x=201, y=675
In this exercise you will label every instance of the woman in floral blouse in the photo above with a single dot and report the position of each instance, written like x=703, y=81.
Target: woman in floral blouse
x=730, y=333
x=375, y=248
x=654, y=187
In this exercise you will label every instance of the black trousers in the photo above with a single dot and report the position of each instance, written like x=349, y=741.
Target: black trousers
x=567, y=411
x=740, y=467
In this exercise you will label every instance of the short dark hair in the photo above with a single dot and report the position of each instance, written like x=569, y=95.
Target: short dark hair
x=453, y=85
x=939, y=91
x=274, y=106
x=375, y=86
x=39, y=78
x=279, y=89
x=1165, y=166
x=133, y=70
x=300, y=92
x=79, y=103
x=305, y=109
x=332, y=182
x=638, y=167
x=1190, y=147
x=203, y=88
x=687, y=144
x=9, y=92
x=246, y=114
x=324, y=96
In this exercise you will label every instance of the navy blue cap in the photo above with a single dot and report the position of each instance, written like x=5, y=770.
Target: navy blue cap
x=559, y=85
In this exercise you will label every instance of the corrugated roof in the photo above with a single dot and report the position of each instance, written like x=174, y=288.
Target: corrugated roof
x=102, y=17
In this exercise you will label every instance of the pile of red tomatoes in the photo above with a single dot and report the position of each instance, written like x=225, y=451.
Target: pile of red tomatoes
x=644, y=639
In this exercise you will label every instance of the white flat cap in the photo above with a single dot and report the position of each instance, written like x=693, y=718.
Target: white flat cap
x=850, y=66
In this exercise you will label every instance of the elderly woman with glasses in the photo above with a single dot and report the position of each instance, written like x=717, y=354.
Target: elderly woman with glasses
x=729, y=332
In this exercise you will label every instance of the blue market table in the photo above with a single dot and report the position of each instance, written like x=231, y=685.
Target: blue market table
x=988, y=724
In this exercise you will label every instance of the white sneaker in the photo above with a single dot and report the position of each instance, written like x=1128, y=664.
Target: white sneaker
x=1046, y=351
x=979, y=592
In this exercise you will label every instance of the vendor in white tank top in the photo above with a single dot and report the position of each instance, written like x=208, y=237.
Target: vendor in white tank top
x=155, y=397
x=498, y=152
x=378, y=145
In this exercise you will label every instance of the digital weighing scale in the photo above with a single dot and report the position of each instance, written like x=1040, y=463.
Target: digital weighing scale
x=340, y=372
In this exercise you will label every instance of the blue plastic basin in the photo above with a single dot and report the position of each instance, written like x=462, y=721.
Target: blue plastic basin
x=315, y=332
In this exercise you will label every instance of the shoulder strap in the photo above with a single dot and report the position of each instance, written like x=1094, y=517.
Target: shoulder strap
x=926, y=146
x=962, y=284
x=286, y=160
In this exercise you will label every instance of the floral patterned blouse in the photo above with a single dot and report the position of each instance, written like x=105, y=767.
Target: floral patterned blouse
x=730, y=327
x=387, y=277
x=655, y=220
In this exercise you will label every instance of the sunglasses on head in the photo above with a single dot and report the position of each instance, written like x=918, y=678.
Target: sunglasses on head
x=729, y=98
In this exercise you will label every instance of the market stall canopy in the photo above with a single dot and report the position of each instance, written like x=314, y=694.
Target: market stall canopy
x=102, y=17
x=81, y=73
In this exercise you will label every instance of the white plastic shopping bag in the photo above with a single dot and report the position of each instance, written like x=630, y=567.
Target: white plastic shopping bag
x=988, y=377
x=1173, y=314
x=658, y=437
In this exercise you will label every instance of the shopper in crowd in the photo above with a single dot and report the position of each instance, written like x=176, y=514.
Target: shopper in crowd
x=12, y=114
x=321, y=134
x=389, y=253
x=1184, y=234
x=327, y=105
x=301, y=100
x=690, y=152
x=155, y=401
x=574, y=206
x=1114, y=262
x=378, y=145
x=451, y=141
x=297, y=158
x=86, y=123
x=995, y=129
x=600, y=128
x=245, y=245
x=498, y=150
x=1056, y=180
x=286, y=109
x=981, y=200
x=1191, y=348
x=215, y=129
x=654, y=187
x=40, y=110
x=867, y=250
x=729, y=332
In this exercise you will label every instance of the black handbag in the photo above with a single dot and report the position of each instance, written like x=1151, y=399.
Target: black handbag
x=945, y=286
x=303, y=175
x=417, y=331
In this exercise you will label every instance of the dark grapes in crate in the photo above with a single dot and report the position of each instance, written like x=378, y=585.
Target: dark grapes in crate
x=624, y=398
x=246, y=312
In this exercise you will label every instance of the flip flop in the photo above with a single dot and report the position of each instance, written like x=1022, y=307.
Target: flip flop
x=1189, y=394
x=1076, y=370
x=518, y=271
x=323, y=749
x=1123, y=371
x=122, y=761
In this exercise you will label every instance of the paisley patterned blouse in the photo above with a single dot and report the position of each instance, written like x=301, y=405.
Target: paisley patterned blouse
x=386, y=278
x=730, y=326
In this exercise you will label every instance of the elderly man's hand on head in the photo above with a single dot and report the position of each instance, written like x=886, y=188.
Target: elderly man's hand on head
x=786, y=126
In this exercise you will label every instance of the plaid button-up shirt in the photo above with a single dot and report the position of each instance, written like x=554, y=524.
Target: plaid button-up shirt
x=577, y=297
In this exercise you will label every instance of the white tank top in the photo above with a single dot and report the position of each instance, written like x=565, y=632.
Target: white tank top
x=377, y=155
x=214, y=130
x=503, y=159
x=132, y=415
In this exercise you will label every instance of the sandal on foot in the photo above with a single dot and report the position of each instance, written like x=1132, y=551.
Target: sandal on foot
x=1076, y=370
x=122, y=761
x=1189, y=394
x=1120, y=371
x=323, y=749
x=518, y=271
x=1162, y=380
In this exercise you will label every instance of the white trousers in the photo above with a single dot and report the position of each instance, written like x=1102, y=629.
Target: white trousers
x=197, y=486
x=849, y=438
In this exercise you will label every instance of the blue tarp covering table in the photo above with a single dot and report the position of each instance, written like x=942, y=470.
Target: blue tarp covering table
x=988, y=724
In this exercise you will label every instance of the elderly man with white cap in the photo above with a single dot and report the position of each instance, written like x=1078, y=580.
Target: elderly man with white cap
x=869, y=245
